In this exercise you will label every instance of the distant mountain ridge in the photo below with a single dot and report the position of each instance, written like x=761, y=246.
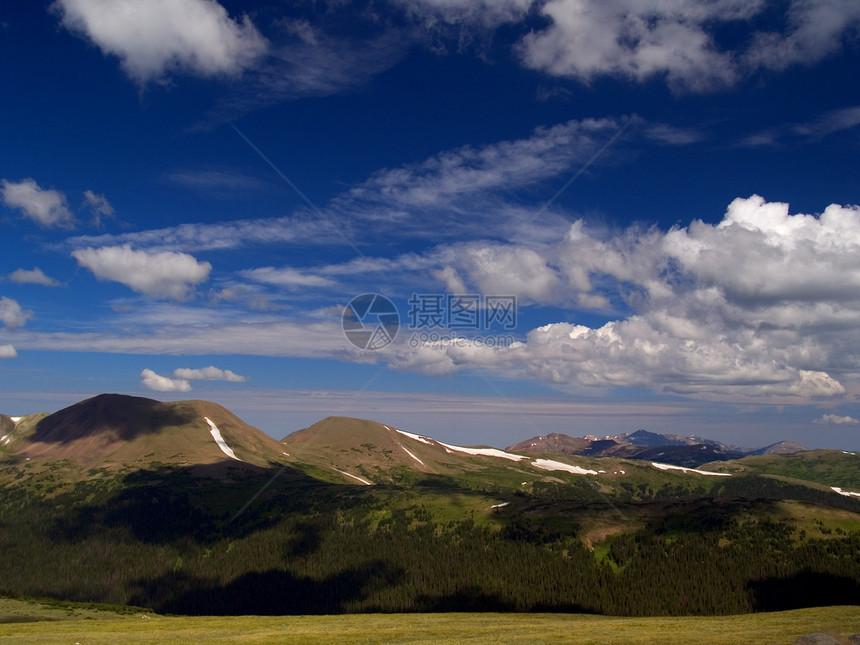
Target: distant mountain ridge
x=675, y=449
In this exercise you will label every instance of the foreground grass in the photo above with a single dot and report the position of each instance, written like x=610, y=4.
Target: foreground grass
x=96, y=626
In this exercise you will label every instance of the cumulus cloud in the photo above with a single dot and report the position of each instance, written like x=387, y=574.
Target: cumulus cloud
x=153, y=38
x=764, y=303
x=640, y=40
x=835, y=419
x=35, y=276
x=210, y=373
x=46, y=207
x=164, y=275
x=157, y=383
x=7, y=352
x=11, y=314
x=636, y=40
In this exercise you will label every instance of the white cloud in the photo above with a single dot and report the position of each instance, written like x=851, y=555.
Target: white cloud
x=221, y=235
x=835, y=419
x=166, y=275
x=640, y=40
x=36, y=276
x=217, y=182
x=471, y=170
x=46, y=207
x=210, y=373
x=7, y=352
x=763, y=304
x=833, y=121
x=11, y=314
x=153, y=38
x=286, y=277
x=815, y=30
x=99, y=207
x=636, y=40
x=489, y=13
x=309, y=62
x=157, y=383
x=511, y=270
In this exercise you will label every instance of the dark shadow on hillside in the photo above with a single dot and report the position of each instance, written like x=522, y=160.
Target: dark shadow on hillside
x=806, y=589
x=270, y=593
x=759, y=487
x=124, y=417
x=173, y=503
x=703, y=515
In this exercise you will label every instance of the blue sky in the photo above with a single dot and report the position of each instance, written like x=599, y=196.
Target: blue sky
x=191, y=194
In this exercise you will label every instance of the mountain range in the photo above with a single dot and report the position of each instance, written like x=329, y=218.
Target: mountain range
x=674, y=449
x=183, y=507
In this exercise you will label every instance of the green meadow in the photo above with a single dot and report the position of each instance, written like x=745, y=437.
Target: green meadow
x=25, y=622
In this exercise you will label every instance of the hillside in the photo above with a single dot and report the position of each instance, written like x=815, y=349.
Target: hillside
x=112, y=430
x=132, y=501
x=362, y=452
x=826, y=467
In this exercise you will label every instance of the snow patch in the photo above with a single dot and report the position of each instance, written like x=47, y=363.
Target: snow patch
x=502, y=505
x=413, y=456
x=449, y=448
x=549, y=464
x=845, y=452
x=356, y=477
x=688, y=470
x=483, y=452
x=216, y=435
x=15, y=419
x=4, y=439
x=417, y=437
x=844, y=492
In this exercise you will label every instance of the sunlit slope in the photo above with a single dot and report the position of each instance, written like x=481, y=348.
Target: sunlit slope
x=825, y=467
x=114, y=429
x=363, y=452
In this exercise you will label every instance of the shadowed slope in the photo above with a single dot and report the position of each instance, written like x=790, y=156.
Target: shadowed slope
x=112, y=429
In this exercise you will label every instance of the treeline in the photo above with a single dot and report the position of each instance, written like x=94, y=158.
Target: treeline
x=175, y=547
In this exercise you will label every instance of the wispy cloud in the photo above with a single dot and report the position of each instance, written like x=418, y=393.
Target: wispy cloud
x=98, y=206
x=299, y=229
x=216, y=182
x=8, y=352
x=826, y=124
x=306, y=61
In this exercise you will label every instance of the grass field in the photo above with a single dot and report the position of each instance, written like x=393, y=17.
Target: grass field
x=32, y=622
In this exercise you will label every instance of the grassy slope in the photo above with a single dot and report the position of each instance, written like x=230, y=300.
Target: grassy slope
x=101, y=628
x=825, y=467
